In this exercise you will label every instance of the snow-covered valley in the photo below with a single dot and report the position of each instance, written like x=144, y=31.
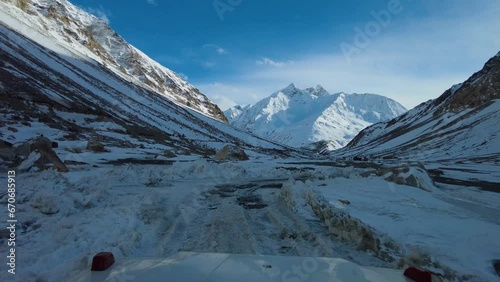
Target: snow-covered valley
x=266, y=207
x=114, y=152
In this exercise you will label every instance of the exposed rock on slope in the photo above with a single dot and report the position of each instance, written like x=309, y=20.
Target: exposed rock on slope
x=93, y=37
x=230, y=152
x=41, y=156
x=49, y=86
x=461, y=123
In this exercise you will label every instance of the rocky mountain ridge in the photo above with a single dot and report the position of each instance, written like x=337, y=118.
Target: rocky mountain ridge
x=94, y=38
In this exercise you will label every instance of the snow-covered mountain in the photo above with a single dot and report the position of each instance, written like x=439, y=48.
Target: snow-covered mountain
x=234, y=112
x=463, y=123
x=52, y=84
x=93, y=39
x=108, y=127
x=299, y=118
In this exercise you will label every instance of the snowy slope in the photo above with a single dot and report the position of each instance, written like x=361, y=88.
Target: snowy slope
x=299, y=118
x=93, y=39
x=455, y=136
x=48, y=87
x=463, y=123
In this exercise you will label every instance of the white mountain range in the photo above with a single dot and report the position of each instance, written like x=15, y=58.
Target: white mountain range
x=299, y=118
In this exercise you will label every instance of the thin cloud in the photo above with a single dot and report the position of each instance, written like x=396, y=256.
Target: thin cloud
x=152, y=2
x=99, y=12
x=169, y=60
x=223, y=102
x=272, y=63
x=208, y=64
x=227, y=95
x=217, y=48
x=183, y=76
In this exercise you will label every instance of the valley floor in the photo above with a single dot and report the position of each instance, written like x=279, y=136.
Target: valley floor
x=268, y=207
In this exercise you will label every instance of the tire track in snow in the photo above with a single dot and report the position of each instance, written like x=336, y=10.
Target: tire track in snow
x=217, y=222
x=222, y=224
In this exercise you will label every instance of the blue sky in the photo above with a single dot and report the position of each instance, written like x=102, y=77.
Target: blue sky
x=240, y=51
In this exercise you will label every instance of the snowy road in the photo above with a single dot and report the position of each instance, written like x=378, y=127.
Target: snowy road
x=248, y=217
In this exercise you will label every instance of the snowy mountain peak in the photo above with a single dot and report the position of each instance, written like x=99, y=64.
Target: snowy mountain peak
x=233, y=112
x=290, y=90
x=317, y=91
x=299, y=118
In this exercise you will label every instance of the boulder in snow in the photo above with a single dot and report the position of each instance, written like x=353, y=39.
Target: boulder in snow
x=496, y=266
x=169, y=154
x=5, y=144
x=95, y=146
x=6, y=151
x=29, y=162
x=345, y=202
x=410, y=175
x=231, y=153
x=23, y=150
x=40, y=155
x=7, y=154
x=41, y=143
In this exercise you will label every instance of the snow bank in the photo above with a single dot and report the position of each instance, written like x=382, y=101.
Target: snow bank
x=429, y=229
x=411, y=175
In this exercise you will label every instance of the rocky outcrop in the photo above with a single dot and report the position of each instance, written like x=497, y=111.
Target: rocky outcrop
x=415, y=176
x=169, y=154
x=231, y=153
x=95, y=146
x=85, y=30
x=41, y=156
x=496, y=266
x=5, y=144
x=447, y=127
x=6, y=153
x=481, y=88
